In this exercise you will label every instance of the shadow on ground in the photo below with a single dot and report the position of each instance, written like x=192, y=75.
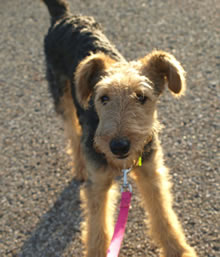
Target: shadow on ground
x=58, y=226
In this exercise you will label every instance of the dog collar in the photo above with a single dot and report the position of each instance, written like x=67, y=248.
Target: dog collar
x=147, y=151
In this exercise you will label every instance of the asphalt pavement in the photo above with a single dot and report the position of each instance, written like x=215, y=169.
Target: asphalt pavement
x=40, y=211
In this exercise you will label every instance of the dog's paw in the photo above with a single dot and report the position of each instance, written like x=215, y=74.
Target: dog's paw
x=189, y=254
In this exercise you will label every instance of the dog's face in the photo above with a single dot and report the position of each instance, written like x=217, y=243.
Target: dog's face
x=125, y=103
x=125, y=96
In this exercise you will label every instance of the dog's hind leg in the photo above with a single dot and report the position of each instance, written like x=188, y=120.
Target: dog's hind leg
x=60, y=89
x=73, y=132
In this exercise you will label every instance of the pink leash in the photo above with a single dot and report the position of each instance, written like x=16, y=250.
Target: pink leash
x=118, y=235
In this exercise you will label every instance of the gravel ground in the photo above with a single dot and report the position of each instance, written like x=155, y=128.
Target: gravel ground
x=40, y=214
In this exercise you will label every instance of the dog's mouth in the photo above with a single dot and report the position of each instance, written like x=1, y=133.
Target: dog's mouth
x=121, y=157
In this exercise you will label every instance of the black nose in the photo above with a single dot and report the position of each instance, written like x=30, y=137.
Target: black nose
x=119, y=146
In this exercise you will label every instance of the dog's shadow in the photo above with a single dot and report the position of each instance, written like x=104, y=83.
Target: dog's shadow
x=58, y=227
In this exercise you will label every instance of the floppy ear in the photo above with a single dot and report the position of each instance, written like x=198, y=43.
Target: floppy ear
x=161, y=68
x=88, y=73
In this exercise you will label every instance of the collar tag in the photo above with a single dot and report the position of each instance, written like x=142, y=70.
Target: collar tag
x=140, y=161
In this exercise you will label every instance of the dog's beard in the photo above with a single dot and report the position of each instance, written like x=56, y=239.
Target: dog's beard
x=127, y=160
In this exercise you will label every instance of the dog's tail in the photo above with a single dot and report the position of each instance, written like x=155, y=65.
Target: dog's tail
x=57, y=8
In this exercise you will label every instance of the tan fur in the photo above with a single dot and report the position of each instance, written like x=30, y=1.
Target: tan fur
x=124, y=116
x=160, y=66
x=73, y=133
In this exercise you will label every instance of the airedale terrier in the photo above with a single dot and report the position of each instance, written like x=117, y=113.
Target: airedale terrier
x=108, y=107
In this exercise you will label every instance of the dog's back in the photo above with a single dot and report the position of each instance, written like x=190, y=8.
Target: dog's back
x=69, y=40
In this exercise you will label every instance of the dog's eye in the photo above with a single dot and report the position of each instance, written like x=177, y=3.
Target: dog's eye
x=141, y=98
x=104, y=99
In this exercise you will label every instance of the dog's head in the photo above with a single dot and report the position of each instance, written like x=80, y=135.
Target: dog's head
x=125, y=96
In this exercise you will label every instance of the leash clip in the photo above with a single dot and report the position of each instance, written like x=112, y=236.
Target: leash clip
x=126, y=186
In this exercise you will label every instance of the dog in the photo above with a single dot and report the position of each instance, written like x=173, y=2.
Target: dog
x=108, y=107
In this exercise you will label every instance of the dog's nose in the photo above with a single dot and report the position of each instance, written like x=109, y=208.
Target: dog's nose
x=119, y=146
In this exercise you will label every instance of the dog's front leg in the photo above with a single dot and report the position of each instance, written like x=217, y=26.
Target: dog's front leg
x=152, y=181
x=98, y=197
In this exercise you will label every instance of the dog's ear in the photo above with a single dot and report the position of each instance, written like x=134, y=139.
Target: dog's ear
x=88, y=73
x=161, y=68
